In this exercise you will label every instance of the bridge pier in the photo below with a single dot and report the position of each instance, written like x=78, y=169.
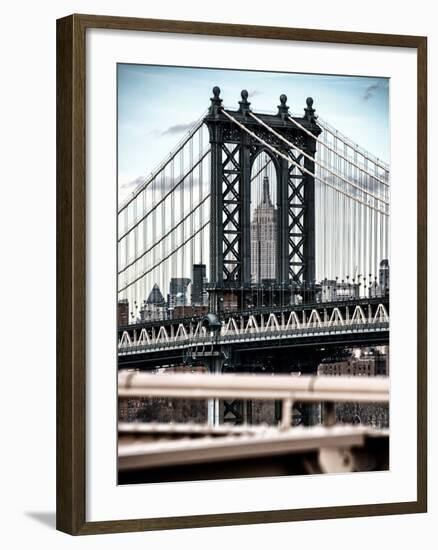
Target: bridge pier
x=214, y=362
x=213, y=417
x=213, y=404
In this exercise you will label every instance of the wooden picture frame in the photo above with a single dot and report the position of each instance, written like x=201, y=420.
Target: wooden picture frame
x=71, y=273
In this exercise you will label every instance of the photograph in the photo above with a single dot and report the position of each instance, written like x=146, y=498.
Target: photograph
x=218, y=213
x=253, y=273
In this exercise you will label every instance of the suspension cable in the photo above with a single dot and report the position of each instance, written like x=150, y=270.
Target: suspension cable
x=270, y=129
x=156, y=243
x=172, y=253
x=186, y=217
x=350, y=144
x=301, y=168
x=261, y=169
x=336, y=152
x=162, y=166
x=154, y=206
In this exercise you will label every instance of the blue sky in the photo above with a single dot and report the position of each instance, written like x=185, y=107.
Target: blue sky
x=157, y=105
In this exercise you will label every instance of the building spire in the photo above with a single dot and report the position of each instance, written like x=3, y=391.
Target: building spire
x=266, y=195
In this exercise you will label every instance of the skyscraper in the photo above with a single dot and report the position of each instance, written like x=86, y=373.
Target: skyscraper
x=178, y=291
x=199, y=294
x=384, y=277
x=264, y=238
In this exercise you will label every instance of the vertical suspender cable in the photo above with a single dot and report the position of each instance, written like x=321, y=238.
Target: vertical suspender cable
x=182, y=203
x=165, y=265
x=192, y=244
x=201, y=186
x=173, y=258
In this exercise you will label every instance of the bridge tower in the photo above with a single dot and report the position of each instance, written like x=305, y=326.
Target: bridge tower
x=233, y=152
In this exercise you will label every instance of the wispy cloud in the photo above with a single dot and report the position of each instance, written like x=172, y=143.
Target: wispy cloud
x=178, y=128
x=370, y=91
x=128, y=187
x=131, y=185
x=159, y=187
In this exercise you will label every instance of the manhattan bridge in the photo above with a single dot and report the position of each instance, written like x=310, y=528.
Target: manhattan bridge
x=324, y=203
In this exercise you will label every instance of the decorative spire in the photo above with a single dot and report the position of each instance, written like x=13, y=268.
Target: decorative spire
x=283, y=109
x=244, y=104
x=216, y=101
x=155, y=296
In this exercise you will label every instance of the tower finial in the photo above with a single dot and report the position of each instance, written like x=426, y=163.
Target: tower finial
x=216, y=101
x=244, y=103
x=309, y=110
x=283, y=109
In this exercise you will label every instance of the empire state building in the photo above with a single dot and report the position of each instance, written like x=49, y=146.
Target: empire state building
x=264, y=238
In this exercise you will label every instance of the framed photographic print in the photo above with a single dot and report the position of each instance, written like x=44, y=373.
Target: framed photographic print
x=241, y=284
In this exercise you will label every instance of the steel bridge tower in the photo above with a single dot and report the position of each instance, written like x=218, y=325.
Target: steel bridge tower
x=233, y=153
